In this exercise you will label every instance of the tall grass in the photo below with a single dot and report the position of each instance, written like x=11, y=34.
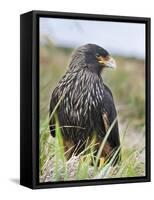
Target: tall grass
x=55, y=167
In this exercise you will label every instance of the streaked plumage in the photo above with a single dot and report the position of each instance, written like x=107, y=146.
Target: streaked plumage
x=87, y=103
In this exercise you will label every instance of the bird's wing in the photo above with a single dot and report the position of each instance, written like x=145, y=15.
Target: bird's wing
x=108, y=116
x=53, y=103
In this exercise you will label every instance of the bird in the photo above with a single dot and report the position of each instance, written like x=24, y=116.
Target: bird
x=86, y=106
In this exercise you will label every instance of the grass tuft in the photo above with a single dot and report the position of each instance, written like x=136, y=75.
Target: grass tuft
x=55, y=167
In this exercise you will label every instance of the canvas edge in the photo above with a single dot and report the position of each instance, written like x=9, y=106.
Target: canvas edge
x=35, y=53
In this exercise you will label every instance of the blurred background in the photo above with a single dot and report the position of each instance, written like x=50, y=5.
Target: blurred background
x=125, y=42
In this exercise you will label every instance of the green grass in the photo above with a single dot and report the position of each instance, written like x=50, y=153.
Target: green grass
x=55, y=167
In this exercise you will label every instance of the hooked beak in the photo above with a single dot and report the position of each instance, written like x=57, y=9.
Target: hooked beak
x=107, y=61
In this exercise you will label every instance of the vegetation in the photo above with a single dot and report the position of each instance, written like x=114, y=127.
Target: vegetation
x=127, y=85
x=55, y=167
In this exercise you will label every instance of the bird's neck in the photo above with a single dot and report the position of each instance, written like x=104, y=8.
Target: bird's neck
x=83, y=79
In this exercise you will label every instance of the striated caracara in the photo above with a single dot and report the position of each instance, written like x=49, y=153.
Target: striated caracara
x=87, y=106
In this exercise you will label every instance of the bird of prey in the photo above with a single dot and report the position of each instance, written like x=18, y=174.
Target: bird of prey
x=87, y=106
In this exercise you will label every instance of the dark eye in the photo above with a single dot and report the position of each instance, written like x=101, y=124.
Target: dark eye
x=97, y=55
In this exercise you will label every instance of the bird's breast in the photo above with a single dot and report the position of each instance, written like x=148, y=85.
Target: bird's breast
x=82, y=101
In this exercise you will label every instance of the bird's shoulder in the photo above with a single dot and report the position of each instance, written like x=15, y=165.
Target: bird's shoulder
x=108, y=91
x=54, y=97
x=108, y=100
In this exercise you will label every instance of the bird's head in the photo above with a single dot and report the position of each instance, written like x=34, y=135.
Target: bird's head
x=94, y=57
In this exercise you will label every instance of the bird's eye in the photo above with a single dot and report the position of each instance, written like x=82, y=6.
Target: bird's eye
x=97, y=55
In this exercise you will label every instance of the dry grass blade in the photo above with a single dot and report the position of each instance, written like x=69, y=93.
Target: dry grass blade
x=104, y=142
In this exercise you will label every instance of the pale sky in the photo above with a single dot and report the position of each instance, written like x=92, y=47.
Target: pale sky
x=127, y=39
